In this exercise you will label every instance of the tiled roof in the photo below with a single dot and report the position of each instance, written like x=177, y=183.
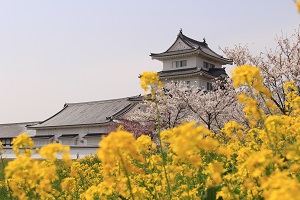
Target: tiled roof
x=215, y=72
x=14, y=129
x=87, y=113
x=196, y=47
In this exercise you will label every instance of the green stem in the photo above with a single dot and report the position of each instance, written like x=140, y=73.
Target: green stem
x=127, y=176
x=3, y=168
x=264, y=100
x=188, y=183
x=154, y=181
x=9, y=190
x=161, y=149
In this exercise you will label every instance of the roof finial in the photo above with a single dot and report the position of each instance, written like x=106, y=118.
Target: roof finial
x=180, y=30
x=204, y=41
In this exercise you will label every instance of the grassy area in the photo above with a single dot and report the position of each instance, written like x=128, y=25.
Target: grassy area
x=4, y=194
x=3, y=164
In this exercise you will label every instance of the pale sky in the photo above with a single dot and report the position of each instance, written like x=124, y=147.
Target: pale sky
x=57, y=51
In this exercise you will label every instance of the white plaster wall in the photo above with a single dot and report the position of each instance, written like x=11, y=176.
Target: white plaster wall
x=167, y=65
x=82, y=151
x=74, y=151
x=93, y=141
x=199, y=62
x=8, y=153
x=69, y=141
x=41, y=142
x=192, y=62
x=96, y=129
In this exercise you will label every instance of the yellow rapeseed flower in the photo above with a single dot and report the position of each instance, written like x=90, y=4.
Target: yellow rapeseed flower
x=250, y=76
x=30, y=179
x=245, y=74
x=187, y=140
x=280, y=185
x=1, y=148
x=150, y=80
x=292, y=102
x=118, y=148
x=232, y=128
x=23, y=142
x=50, y=151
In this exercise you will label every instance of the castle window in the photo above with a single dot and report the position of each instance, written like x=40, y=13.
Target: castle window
x=188, y=83
x=207, y=65
x=209, y=86
x=181, y=63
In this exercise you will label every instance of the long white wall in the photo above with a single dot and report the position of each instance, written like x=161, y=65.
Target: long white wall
x=75, y=152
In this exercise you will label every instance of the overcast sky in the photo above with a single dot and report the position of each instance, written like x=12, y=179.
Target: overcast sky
x=57, y=51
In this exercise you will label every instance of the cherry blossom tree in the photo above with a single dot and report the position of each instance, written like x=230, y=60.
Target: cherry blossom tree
x=135, y=127
x=215, y=108
x=277, y=66
x=172, y=108
x=178, y=104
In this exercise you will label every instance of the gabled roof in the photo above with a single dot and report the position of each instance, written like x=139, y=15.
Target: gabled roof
x=190, y=47
x=12, y=130
x=87, y=113
x=212, y=72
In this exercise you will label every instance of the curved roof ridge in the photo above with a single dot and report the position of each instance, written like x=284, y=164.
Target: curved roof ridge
x=185, y=42
x=122, y=111
x=18, y=123
x=193, y=41
x=99, y=101
x=178, y=52
x=202, y=45
x=229, y=61
x=65, y=106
